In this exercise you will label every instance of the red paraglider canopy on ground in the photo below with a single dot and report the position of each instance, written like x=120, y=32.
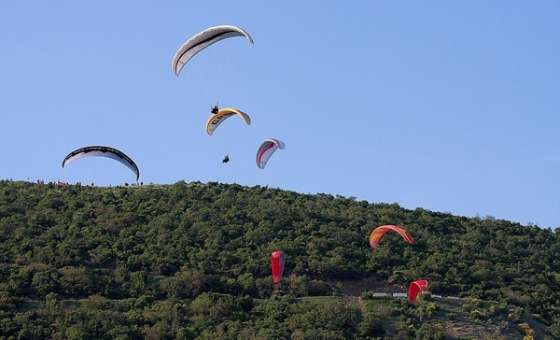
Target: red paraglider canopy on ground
x=416, y=288
x=277, y=260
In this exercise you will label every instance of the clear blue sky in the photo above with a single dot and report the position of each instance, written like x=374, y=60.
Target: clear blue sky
x=446, y=105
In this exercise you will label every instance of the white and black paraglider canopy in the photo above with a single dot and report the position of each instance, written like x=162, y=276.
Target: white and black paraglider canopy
x=202, y=40
x=102, y=151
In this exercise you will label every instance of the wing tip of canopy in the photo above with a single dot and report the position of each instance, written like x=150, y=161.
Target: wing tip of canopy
x=175, y=68
x=240, y=30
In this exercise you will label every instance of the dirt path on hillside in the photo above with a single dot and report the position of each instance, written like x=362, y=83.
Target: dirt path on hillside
x=357, y=287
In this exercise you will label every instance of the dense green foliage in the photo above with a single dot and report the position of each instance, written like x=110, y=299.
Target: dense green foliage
x=167, y=251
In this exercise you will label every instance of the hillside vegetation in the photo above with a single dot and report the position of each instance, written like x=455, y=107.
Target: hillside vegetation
x=192, y=260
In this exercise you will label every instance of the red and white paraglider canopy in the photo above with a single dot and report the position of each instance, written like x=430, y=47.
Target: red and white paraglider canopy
x=267, y=148
x=416, y=288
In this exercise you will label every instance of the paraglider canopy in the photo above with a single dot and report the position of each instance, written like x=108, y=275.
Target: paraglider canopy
x=277, y=261
x=219, y=115
x=416, y=288
x=102, y=151
x=267, y=148
x=378, y=233
x=202, y=40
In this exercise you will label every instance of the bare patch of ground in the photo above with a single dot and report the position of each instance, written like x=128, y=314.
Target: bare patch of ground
x=357, y=287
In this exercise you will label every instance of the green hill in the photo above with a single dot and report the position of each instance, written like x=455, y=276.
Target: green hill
x=192, y=260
